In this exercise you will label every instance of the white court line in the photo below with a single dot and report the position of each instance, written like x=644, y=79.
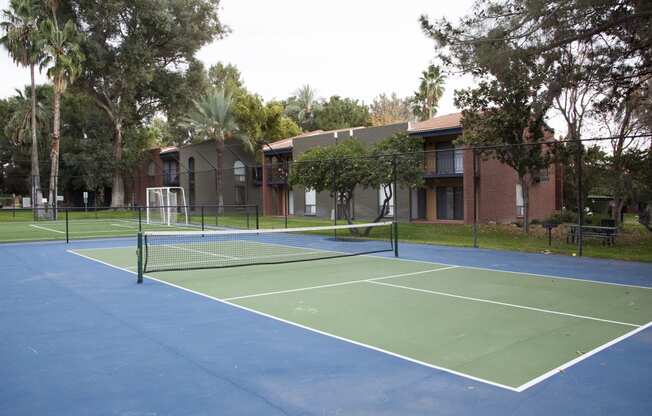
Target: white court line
x=518, y=389
x=582, y=357
x=307, y=328
x=511, y=305
x=131, y=227
x=46, y=229
x=349, y=282
x=548, y=276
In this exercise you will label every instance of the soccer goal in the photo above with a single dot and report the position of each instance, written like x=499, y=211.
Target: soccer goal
x=166, y=205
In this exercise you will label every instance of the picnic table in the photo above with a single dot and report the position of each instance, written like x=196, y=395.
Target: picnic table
x=606, y=234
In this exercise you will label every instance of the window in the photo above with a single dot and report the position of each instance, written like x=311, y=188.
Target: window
x=191, y=181
x=381, y=199
x=450, y=203
x=311, y=202
x=170, y=173
x=542, y=175
x=151, y=169
x=520, y=209
x=459, y=161
x=291, y=203
x=239, y=171
x=240, y=195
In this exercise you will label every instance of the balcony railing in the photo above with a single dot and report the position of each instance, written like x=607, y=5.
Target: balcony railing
x=445, y=163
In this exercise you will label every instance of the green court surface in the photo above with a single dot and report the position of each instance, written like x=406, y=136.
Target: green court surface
x=508, y=329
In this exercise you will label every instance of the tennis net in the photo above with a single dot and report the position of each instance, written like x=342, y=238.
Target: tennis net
x=187, y=250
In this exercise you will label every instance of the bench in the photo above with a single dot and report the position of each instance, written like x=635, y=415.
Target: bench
x=606, y=234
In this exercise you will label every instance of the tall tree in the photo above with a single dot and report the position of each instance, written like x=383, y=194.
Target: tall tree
x=137, y=56
x=388, y=109
x=225, y=76
x=506, y=109
x=302, y=106
x=64, y=58
x=341, y=113
x=431, y=88
x=214, y=119
x=20, y=24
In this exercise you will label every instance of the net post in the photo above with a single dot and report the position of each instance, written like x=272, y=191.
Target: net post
x=257, y=219
x=67, y=233
x=140, y=219
x=139, y=253
x=202, y=218
x=395, y=236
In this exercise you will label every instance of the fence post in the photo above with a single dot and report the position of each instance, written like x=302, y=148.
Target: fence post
x=475, y=200
x=202, y=218
x=257, y=219
x=395, y=194
x=287, y=192
x=580, y=201
x=67, y=228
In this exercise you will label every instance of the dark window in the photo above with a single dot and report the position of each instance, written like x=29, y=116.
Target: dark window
x=449, y=160
x=450, y=203
x=240, y=195
x=191, y=182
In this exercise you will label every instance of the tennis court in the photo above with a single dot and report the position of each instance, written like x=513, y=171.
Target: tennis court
x=507, y=329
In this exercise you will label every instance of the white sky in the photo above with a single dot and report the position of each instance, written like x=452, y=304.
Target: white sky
x=353, y=48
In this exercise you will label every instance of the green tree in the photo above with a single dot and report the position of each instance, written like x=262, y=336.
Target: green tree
x=302, y=105
x=225, y=76
x=277, y=124
x=342, y=167
x=505, y=112
x=389, y=109
x=214, y=119
x=20, y=24
x=397, y=157
x=341, y=113
x=64, y=58
x=431, y=88
x=138, y=58
x=337, y=169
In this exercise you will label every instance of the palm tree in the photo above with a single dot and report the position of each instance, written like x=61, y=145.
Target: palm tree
x=426, y=98
x=213, y=119
x=20, y=25
x=63, y=53
x=303, y=106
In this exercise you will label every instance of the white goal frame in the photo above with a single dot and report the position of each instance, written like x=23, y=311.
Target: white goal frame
x=168, y=207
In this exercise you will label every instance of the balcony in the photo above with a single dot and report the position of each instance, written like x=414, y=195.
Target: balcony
x=276, y=175
x=444, y=164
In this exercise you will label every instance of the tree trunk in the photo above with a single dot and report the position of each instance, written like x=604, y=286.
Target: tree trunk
x=219, y=174
x=118, y=187
x=54, y=152
x=37, y=195
x=617, y=211
x=525, y=190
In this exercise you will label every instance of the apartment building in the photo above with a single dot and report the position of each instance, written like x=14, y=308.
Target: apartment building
x=445, y=197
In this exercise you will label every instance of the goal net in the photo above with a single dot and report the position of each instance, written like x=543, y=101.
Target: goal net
x=166, y=205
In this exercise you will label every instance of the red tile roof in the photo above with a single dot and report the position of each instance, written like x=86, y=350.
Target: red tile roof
x=446, y=121
x=169, y=149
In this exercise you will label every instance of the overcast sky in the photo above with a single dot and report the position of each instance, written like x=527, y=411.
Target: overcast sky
x=353, y=48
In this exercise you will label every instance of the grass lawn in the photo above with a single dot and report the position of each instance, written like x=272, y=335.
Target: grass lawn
x=633, y=242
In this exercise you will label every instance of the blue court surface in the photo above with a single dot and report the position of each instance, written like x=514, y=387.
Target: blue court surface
x=78, y=336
